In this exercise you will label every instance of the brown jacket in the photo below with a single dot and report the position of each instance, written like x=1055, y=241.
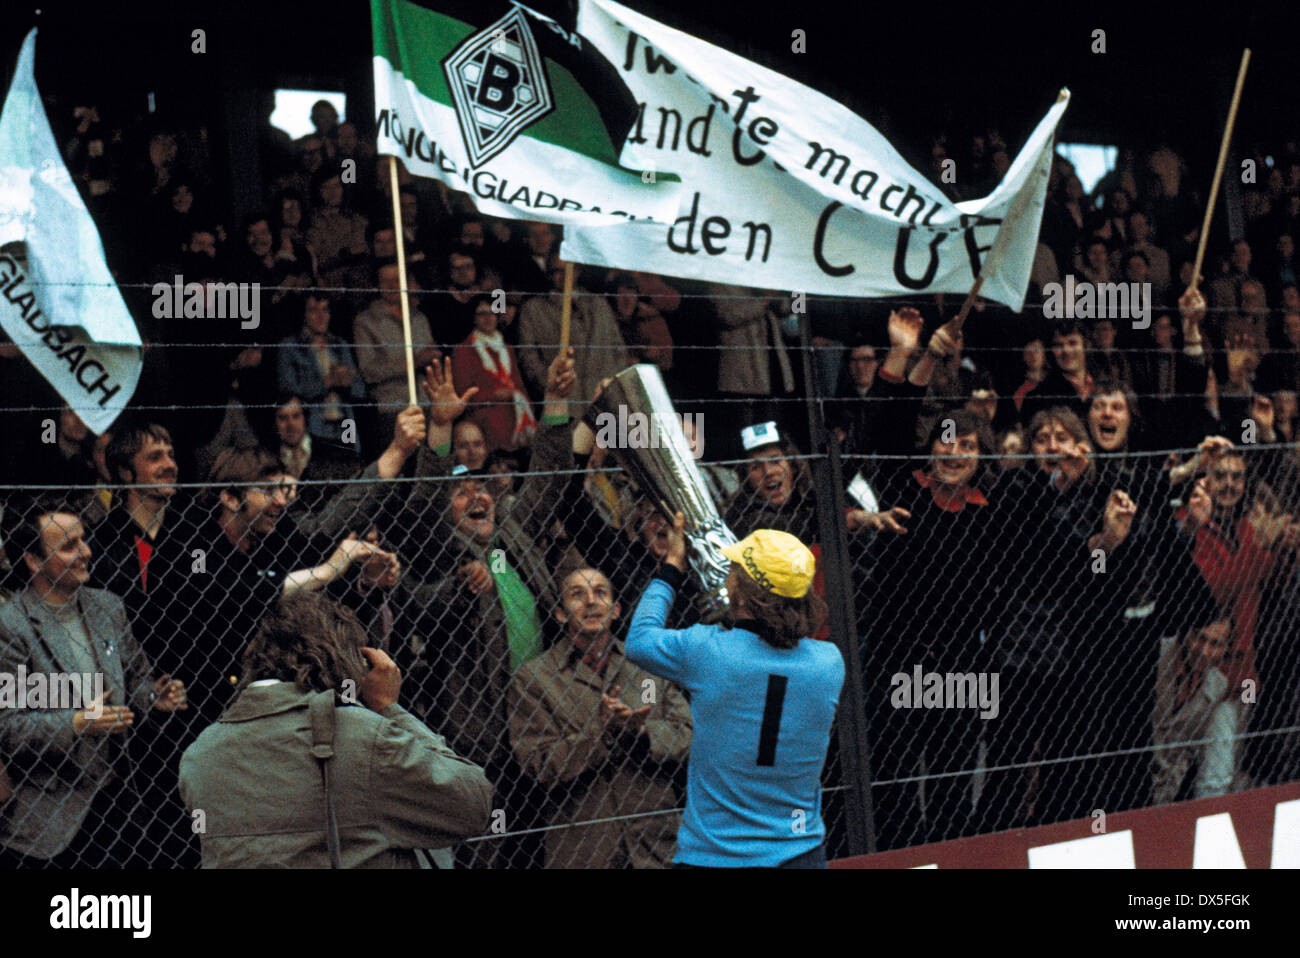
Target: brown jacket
x=557, y=735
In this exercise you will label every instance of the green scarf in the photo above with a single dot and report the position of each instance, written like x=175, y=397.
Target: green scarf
x=523, y=629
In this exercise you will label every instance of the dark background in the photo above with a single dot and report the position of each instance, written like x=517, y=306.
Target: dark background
x=912, y=69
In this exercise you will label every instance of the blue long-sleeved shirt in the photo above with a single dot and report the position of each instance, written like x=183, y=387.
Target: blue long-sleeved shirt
x=762, y=721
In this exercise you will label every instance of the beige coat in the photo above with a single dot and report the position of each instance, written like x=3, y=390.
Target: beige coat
x=746, y=329
x=556, y=733
x=599, y=350
x=381, y=355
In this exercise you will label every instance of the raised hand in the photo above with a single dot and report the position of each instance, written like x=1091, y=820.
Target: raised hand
x=440, y=388
x=905, y=328
x=888, y=521
x=891, y=520
x=351, y=550
x=383, y=683
x=1075, y=461
x=381, y=570
x=1199, y=505
x=1241, y=355
x=617, y=715
x=946, y=340
x=112, y=720
x=676, y=555
x=1212, y=447
x=611, y=703
x=1271, y=528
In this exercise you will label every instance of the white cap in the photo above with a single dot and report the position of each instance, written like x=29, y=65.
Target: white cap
x=761, y=434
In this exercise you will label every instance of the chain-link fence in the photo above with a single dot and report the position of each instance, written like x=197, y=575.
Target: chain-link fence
x=1037, y=626
x=1076, y=637
x=1041, y=638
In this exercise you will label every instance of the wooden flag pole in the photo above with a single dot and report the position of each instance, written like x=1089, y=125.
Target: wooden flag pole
x=1218, y=169
x=970, y=301
x=566, y=308
x=399, y=236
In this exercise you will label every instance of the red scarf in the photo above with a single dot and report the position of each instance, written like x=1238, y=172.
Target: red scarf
x=949, y=501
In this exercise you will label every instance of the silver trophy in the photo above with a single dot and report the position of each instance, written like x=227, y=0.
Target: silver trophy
x=652, y=446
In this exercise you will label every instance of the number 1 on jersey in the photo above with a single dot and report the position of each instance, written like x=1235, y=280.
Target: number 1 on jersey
x=771, y=726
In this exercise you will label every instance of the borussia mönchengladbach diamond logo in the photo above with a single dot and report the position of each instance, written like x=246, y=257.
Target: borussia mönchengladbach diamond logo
x=499, y=84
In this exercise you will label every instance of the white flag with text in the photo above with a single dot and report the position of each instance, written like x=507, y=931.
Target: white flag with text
x=786, y=189
x=58, y=302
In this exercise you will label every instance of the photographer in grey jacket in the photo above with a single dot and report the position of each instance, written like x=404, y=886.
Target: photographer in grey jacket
x=252, y=782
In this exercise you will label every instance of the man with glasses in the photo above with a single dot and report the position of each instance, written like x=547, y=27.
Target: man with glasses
x=454, y=313
x=237, y=566
x=879, y=404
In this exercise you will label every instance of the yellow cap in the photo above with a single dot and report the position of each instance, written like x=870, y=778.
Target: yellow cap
x=777, y=561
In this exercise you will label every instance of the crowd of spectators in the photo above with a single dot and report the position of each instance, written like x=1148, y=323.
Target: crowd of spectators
x=1015, y=509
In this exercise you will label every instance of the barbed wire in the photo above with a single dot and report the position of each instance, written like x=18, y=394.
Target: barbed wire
x=792, y=346
x=954, y=399
x=1091, y=756
x=899, y=299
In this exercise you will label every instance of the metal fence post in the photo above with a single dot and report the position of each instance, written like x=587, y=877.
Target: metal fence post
x=828, y=483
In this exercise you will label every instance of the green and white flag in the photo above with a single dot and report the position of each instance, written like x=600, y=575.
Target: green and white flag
x=501, y=102
x=59, y=304
x=787, y=189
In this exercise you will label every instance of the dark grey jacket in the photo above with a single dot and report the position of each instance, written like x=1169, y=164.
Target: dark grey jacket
x=57, y=773
x=396, y=786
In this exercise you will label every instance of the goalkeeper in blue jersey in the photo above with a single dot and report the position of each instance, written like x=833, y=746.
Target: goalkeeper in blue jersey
x=763, y=697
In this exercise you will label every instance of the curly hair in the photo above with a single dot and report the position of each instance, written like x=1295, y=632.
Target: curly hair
x=307, y=640
x=1108, y=386
x=783, y=621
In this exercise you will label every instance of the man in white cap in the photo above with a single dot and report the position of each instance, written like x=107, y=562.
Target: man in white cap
x=777, y=486
x=763, y=697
